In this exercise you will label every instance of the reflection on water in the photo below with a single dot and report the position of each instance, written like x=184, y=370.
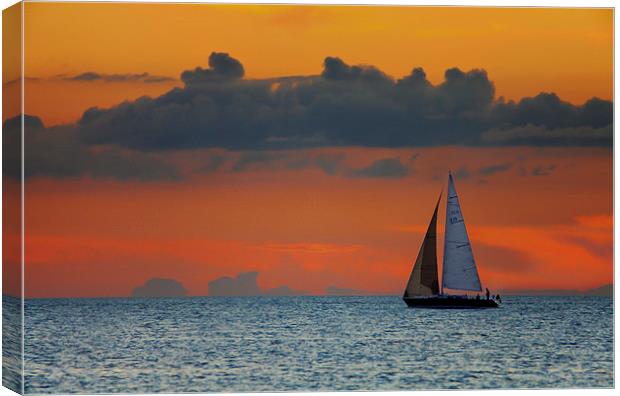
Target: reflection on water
x=314, y=343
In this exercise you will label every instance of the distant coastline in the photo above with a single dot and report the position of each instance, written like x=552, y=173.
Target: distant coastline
x=602, y=291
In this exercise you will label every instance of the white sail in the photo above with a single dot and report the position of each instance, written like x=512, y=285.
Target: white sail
x=459, y=268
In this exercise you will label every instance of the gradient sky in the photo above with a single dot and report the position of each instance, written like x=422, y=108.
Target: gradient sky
x=349, y=215
x=525, y=50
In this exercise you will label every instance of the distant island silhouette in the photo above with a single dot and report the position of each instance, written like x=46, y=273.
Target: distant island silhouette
x=602, y=291
x=159, y=287
x=245, y=284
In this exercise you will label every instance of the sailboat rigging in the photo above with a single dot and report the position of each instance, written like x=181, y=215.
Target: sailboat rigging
x=459, y=271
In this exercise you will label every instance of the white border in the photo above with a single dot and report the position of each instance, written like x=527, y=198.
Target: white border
x=480, y=3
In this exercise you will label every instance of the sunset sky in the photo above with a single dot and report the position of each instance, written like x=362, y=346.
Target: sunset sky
x=309, y=146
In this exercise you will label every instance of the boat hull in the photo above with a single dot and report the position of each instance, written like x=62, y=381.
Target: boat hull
x=449, y=303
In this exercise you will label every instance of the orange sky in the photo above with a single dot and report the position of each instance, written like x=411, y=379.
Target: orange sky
x=304, y=228
x=308, y=230
x=525, y=51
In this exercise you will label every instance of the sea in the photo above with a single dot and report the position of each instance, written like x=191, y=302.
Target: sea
x=254, y=344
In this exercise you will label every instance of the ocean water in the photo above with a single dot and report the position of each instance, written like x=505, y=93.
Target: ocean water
x=11, y=343
x=207, y=344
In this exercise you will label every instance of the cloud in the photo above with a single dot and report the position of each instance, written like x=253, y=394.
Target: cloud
x=543, y=170
x=492, y=169
x=347, y=105
x=330, y=163
x=214, y=162
x=128, y=77
x=596, y=222
x=602, y=291
x=390, y=168
x=547, y=109
x=464, y=92
x=599, y=249
x=245, y=285
x=12, y=143
x=221, y=67
x=19, y=80
x=58, y=152
x=87, y=76
x=157, y=287
x=537, y=135
x=417, y=78
x=262, y=158
x=335, y=69
x=149, y=79
x=462, y=173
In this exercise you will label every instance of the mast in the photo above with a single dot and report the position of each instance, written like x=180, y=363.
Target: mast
x=423, y=280
x=459, y=269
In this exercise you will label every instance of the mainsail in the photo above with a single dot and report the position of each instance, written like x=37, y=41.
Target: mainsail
x=459, y=268
x=423, y=279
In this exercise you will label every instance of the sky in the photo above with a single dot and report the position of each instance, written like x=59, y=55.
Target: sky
x=309, y=144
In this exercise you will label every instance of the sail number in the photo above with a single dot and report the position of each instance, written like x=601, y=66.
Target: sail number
x=454, y=216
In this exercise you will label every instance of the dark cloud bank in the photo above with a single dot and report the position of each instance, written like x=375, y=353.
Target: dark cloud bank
x=344, y=106
x=59, y=152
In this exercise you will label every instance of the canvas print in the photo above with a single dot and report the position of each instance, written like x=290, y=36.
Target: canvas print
x=247, y=198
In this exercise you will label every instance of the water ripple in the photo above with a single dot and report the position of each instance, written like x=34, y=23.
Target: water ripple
x=313, y=343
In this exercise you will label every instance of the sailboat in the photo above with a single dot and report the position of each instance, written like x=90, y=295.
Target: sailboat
x=459, y=271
